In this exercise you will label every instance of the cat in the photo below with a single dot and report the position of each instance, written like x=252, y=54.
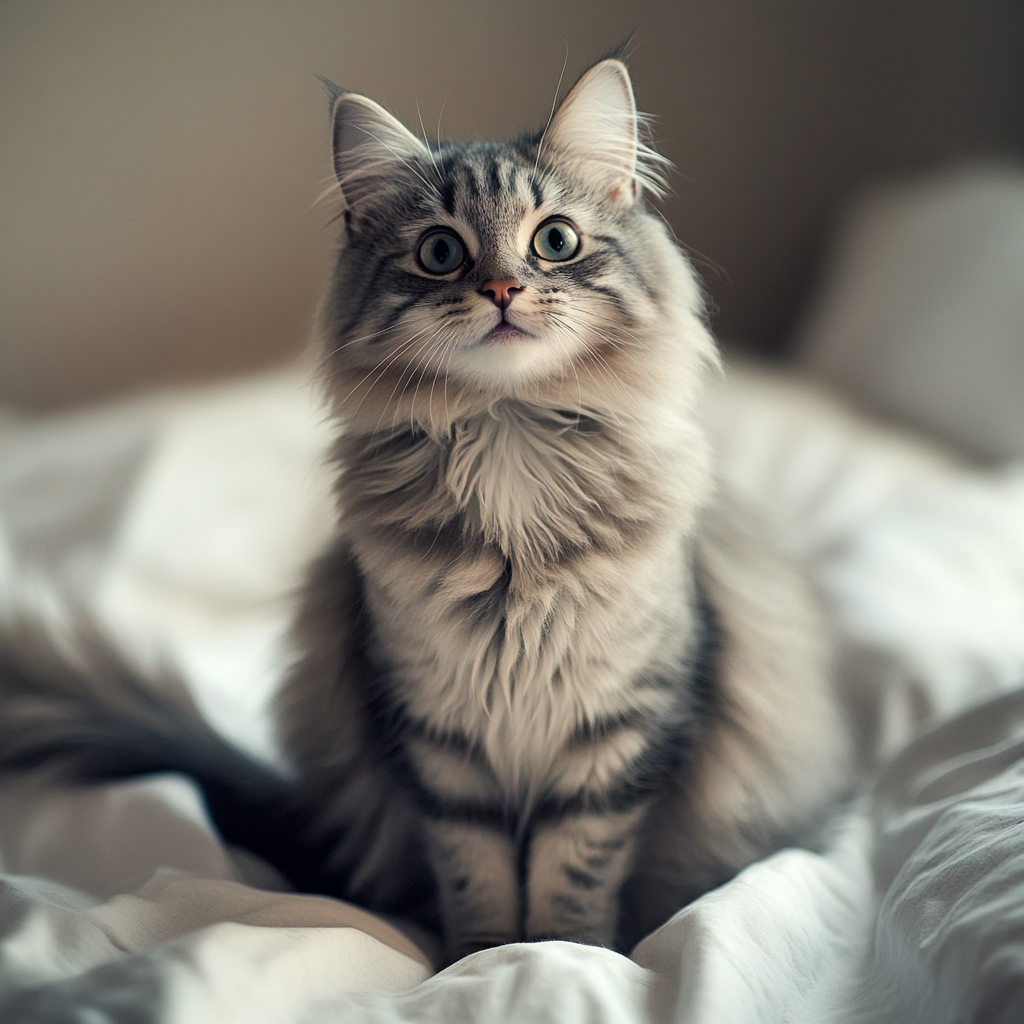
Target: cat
x=551, y=680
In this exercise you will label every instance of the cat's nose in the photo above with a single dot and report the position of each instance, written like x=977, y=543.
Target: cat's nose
x=501, y=292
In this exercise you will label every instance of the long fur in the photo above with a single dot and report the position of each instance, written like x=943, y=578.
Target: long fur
x=541, y=641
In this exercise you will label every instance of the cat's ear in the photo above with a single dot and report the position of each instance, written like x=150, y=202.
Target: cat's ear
x=370, y=145
x=597, y=126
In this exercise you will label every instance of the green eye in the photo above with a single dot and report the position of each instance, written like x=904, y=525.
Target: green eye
x=556, y=240
x=441, y=252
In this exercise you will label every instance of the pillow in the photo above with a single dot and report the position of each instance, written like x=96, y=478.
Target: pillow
x=921, y=316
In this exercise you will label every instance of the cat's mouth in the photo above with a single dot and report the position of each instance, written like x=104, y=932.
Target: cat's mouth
x=504, y=332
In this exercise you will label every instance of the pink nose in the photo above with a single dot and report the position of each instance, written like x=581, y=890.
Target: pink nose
x=501, y=291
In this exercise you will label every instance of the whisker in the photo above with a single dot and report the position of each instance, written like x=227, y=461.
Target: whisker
x=405, y=323
x=612, y=376
x=447, y=370
x=411, y=369
x=612, y=340
x=383, y=367
x=400, y=158
x=423, y=130
x=620, y=329
x=435, y=342
x=440, y=115
x=554, y=102
x=579, y=395
x=613, y=414
x=433, y=382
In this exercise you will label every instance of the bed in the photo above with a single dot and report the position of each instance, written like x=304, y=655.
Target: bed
x=183, y=519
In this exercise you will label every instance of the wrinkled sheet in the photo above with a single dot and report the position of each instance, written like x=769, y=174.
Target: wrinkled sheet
x=183, y=522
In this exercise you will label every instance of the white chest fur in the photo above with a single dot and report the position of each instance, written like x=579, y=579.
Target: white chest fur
x=567, y=614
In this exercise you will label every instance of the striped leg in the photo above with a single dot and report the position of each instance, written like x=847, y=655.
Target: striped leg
x=475, y=867
x=577, y=865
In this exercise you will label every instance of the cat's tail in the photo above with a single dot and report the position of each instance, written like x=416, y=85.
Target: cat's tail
x=72, y=703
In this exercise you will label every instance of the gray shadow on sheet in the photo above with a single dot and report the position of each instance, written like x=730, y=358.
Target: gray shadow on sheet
x=129, y=991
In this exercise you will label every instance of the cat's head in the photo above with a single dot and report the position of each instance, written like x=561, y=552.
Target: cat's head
x=523, y=268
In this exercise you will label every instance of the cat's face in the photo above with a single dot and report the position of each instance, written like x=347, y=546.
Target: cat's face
x=497, y=266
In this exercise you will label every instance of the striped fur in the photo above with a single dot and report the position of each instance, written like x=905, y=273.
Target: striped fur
x=538, y=566
x=549, y=682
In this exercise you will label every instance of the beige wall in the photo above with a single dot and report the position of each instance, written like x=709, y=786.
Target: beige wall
x=159, y=160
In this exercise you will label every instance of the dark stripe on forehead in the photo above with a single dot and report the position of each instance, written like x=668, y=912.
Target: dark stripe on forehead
x=448, y=195
x=538, y=193
x=470, y=179
x=497, y=186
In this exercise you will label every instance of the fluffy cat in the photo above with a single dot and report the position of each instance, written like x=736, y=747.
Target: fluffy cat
x=550, y=682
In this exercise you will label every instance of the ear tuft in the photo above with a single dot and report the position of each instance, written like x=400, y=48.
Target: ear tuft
x=597, y=126
x=370, y=145
x=332, y=91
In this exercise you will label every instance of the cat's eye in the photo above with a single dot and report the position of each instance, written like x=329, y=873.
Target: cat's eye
x=441, y=252
x=556, y=240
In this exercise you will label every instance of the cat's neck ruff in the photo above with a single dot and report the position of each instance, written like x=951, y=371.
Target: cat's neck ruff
x=538, y=484
x=596, y=456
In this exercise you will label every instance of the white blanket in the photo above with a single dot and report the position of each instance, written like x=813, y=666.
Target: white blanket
x=184, y=521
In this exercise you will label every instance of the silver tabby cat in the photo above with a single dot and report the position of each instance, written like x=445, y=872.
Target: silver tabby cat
x=550, y=682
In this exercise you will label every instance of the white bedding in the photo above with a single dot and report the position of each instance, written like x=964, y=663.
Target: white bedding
x=184, y=520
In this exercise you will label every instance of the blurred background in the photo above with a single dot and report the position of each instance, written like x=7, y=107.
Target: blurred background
x=159, y=161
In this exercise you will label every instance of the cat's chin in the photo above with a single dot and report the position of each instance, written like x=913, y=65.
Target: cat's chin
x=508, y=359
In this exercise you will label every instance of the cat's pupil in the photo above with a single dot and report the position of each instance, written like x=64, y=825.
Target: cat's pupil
x=441, y=251
x=556, y=239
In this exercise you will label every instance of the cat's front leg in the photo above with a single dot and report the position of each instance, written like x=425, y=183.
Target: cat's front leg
x=477, y=881
x=577, y=864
